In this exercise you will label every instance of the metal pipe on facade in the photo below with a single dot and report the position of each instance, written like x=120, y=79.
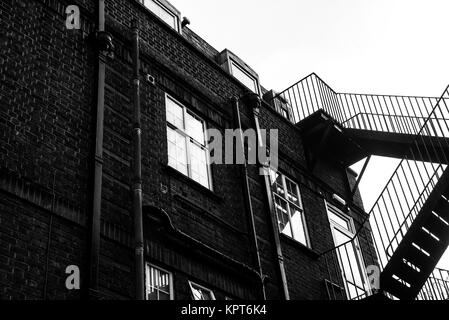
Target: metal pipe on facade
x=248, y=203
x=137, y=170
x=98, y=168
x=255, y=104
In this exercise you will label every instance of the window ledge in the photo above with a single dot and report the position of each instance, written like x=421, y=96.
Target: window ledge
x=198, y=186
x=299, y=245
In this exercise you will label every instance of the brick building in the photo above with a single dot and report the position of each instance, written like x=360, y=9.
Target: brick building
x=71, y=113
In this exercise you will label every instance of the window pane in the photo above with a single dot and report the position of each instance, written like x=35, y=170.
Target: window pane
x=282, y=214
x=201, y=293
x=198, y=159
x=197, y=294
x=164, y=296
x=276, y=183
x=244, y=78
x=349, y=262
x=292, y=192
x=195, y=128
x=174, y=113
x=344, y=223
x=157, y=284
x=162, y=13
x=207, y=295
x=299, y=232
x=177, y=153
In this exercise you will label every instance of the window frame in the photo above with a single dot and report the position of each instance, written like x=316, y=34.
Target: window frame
x=232, y=64
x=285, y=198
x=148, y=266
x=351, y=233
x=189, y=140
x=191, y=284
x=167, y=8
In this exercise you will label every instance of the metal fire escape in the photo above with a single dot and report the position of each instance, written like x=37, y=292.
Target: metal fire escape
x=409, y=222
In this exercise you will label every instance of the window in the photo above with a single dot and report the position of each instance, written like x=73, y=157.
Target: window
x=186, y=140
x=200, y=292
x=244, y=77
x=159, y=283
x=289, y=209
x=162, y=10
x=349, y=253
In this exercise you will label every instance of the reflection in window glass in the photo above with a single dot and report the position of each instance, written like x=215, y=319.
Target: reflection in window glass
x=187, y=151
x=201, y=293
x=289, y=210
x=244, y=77
x=158, y=283
x=177, y=152
x=162, y=12
x=283, y=218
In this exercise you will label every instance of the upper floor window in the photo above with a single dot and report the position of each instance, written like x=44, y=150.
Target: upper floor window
x=240, y=70
x=289, y=209
x=186, y=140
x=159, y=283
x=200, y=292
x=244, y=77
x=165, y=11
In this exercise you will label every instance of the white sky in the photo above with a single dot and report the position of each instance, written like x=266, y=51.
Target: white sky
x=359, y=46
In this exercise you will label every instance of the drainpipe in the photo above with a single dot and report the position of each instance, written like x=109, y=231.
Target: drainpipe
x=255, y=103
x=98, y=168
x=137, y=170
x=238, y=122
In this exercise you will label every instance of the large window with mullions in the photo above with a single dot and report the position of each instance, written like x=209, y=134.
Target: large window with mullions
x=159, y=283
x=289, y=209
x=186, y=140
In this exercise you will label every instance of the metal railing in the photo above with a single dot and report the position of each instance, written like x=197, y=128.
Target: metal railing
x=388, y=113
x=402, y=198
x=404, y=195
x=411, y=183
x=436, y=287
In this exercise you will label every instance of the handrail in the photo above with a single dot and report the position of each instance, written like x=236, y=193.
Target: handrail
x=395, y=203
x=412, y=210
x=386, y=115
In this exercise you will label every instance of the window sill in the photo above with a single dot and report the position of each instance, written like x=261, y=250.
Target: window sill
x=198, y=186
x=299, y=245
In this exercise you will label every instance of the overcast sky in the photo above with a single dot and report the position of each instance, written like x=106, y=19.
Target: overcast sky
x=360, y=46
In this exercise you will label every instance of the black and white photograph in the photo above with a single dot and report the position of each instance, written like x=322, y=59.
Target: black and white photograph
x=256, y=154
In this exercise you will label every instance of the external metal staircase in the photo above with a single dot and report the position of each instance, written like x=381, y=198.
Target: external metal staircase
x=409, y=222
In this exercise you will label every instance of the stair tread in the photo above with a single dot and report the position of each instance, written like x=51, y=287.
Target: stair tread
x=436, y=226
x=395, y=288
x=415, y=256
x=416, y=235
x=427, y=242
x=442, y=208
x=406, y=273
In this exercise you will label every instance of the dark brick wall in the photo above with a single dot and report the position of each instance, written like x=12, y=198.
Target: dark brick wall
x=47, y=93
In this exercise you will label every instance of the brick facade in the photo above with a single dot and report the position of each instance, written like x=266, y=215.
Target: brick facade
x=47, y=123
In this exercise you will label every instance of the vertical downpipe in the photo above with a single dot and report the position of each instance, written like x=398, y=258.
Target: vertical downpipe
x=98, y=167
x=137, y=170
x=274, y=223
x=238, y=123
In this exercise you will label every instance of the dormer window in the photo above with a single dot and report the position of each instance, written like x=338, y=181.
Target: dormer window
x=244, y=77
x=240, y=70
x=165, y=11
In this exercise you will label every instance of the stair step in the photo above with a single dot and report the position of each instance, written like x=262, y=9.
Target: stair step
x=427, y=242
x=435, y=225
x=406, y=273
x=396, y=288
x=416, y=257
x=442, y=208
